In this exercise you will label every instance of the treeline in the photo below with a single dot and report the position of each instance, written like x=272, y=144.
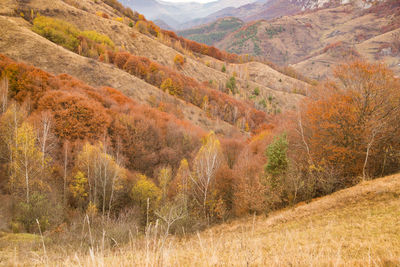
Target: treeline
x=68, y=148
x=346, y=131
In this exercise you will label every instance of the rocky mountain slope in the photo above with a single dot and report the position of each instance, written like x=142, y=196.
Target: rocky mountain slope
x=315, y=40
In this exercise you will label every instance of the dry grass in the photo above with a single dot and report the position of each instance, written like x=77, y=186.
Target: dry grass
x=359, y=226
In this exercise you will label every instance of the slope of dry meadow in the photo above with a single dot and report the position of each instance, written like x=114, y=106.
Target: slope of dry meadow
x=359, y=226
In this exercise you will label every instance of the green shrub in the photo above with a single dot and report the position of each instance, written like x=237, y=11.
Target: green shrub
x=144, y=193
x=40, y=208
x=223, y=68
x=98, y=38
x=231, y=85
x=263, y=103
x=256, y=91
x=57, y=31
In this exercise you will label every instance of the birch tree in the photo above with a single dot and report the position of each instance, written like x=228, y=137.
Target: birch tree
x=46, y=139
x=103, y=174
x=206, y=164
x=28, y=169
x=4, y=94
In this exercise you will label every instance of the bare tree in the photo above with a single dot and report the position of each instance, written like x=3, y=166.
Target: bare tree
x=171, y=213
x=66, y=145
x=4, y=93
x=47, y=141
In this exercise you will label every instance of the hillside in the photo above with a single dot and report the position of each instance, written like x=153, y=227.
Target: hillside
x=252, y=11
x=122, y=143
x=203, y=69
x=357, y=226
x=315, y=40
x=178, y=14
x=212, y=32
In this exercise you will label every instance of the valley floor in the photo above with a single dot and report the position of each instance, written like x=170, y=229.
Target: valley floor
x=359, y=226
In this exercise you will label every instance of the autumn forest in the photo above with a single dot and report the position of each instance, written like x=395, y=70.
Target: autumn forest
x=91, y=163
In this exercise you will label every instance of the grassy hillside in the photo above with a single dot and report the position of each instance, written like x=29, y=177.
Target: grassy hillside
x=311, y=40
x=358, y=226
x=85, y=17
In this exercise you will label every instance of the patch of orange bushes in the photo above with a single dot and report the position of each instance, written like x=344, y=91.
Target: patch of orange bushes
x=221, y=105
x=145, y=136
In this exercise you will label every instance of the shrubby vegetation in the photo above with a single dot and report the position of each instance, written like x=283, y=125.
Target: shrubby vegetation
x=86, y=43
x=92, y=44
x=214, y=32
x=219, y=104
x=73, y=155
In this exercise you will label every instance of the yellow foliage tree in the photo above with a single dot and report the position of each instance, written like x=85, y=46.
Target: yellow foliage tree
x=29, y=170
x=146, y=195
x=179, y=60
x=206, y=164
x=78, y=187
x=168, y=85
x=103, y=173
x=164, y=178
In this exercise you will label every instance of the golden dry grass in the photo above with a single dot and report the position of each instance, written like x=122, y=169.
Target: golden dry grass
x=359, y=226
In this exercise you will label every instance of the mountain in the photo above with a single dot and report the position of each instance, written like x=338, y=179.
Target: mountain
x=249, y=12
x=214, y=32
x=177, y=14
x=313, y=41
x=162, y=24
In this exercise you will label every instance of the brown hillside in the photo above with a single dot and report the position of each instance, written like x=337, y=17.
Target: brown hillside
x=85, y=16
x=305, y=39
x=357, y=226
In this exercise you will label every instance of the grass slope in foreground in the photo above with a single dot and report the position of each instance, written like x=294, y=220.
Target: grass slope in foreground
x=359, y=226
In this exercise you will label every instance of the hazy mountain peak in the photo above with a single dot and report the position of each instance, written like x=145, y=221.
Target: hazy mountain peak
x=176, y=14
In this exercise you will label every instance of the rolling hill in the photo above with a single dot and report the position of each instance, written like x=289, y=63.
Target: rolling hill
x=201, y=68
x=311, y=36
x=357, y=226
x=122, y=143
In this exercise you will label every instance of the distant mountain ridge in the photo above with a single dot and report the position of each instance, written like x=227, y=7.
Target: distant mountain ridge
x=177, y=14
x=269, y=9
x=213, y=32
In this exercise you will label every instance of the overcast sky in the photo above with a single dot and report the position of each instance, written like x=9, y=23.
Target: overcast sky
x=200, y=1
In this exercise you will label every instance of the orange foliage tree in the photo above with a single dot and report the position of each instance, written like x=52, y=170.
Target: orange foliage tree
x=354, y=120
